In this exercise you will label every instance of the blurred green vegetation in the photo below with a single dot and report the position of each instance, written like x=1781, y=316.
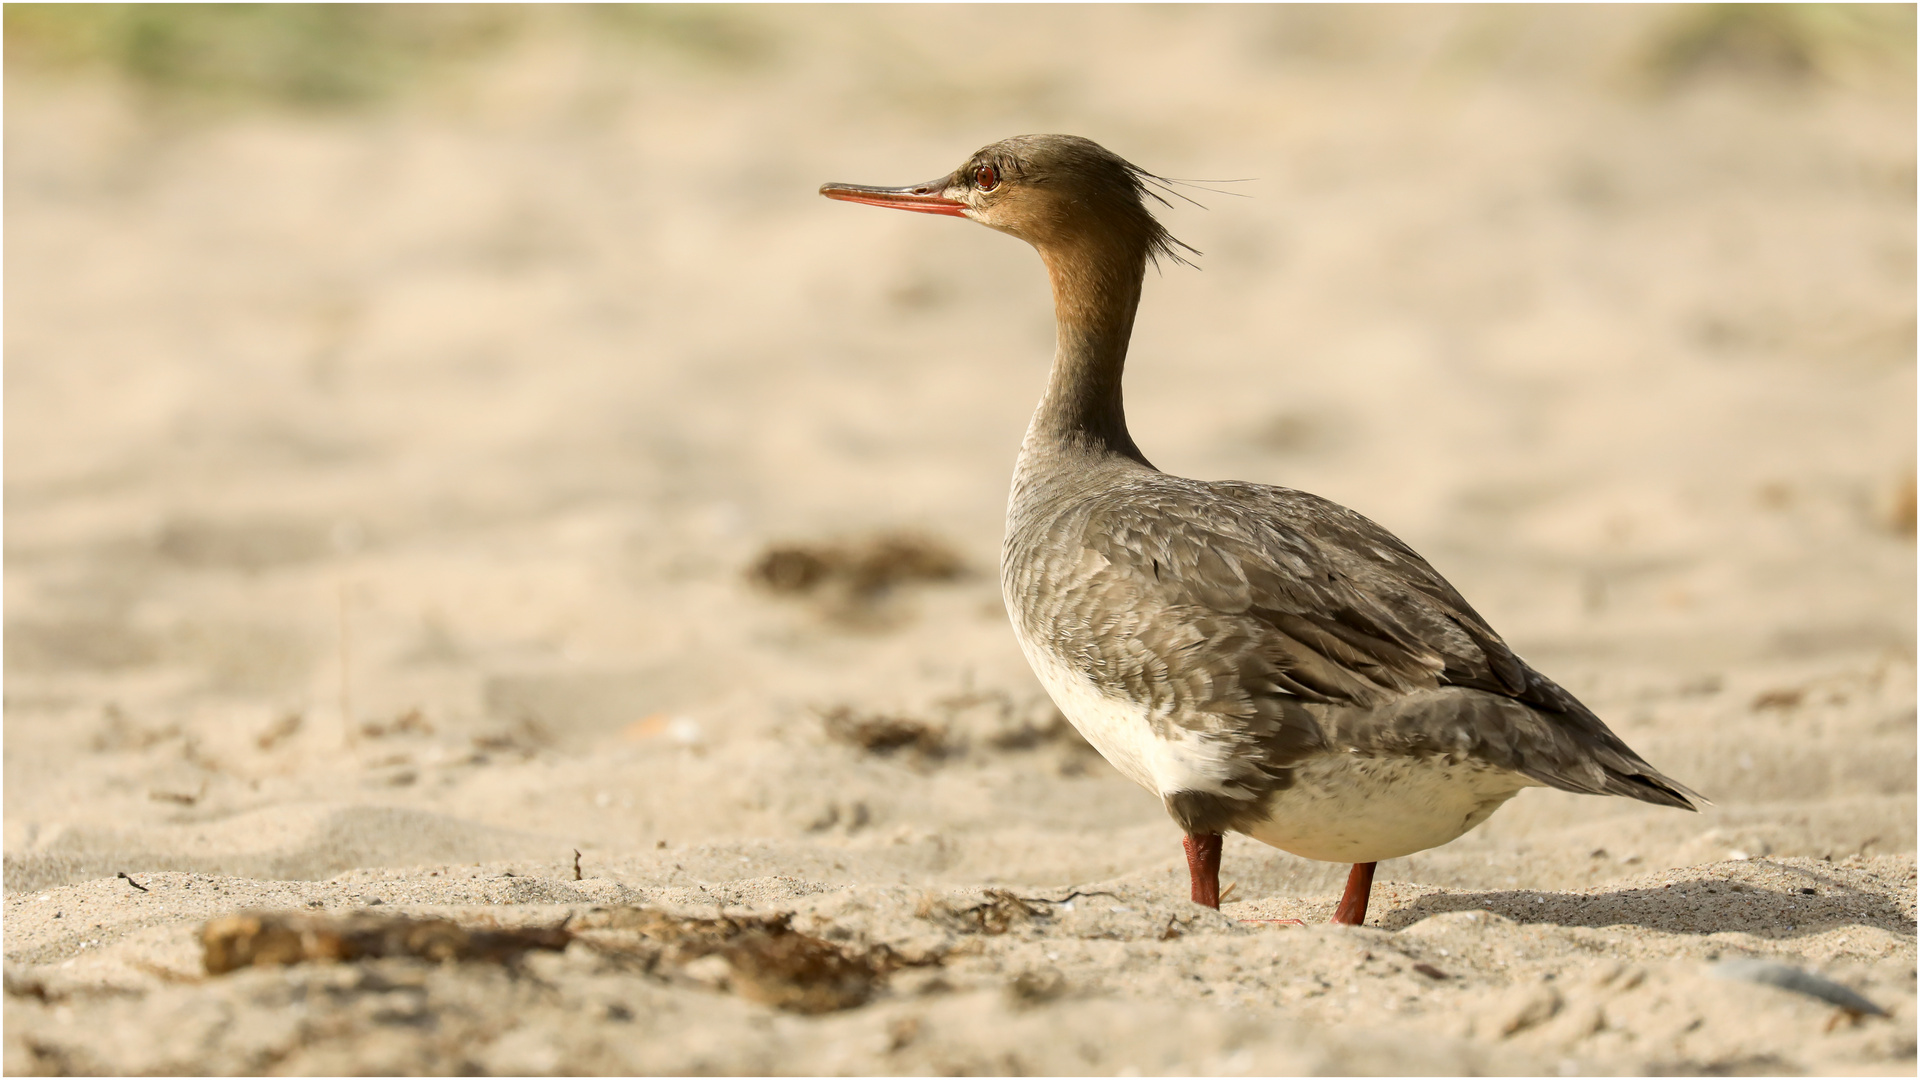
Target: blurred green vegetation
x=314, y=55
x=334, y=55
x=1790, y=43
x=732, y=35
x=331, y=56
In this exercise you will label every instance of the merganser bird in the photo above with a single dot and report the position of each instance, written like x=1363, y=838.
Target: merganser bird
x=1263, y=660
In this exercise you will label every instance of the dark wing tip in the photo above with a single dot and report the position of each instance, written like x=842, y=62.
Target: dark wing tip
x=1663, y=791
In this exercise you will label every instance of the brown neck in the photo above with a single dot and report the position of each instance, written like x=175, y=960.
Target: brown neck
x=1096, y=288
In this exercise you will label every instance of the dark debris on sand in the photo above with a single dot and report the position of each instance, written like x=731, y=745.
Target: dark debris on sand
x=271, y=938
x=768, y=961
x=997, y=912
x=958, y=724
x=850, y=580
x=878, y=733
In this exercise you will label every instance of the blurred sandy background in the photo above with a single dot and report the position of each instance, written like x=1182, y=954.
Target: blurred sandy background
x=414, y=415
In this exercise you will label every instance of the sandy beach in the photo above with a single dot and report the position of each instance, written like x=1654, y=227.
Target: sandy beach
x=501, y=491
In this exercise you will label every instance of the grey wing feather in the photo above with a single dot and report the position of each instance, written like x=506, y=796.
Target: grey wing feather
x=1302, y=599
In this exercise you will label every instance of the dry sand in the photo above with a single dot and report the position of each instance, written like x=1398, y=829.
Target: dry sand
x=382, y=486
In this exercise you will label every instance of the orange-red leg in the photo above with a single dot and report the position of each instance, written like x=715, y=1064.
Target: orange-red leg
x=1353, y=903
x=1203, y=868
x=1203, y=871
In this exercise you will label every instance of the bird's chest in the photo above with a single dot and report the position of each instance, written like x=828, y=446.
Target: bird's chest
x=1039, y=580
x=1076, y=638
x=1119, y=728
x=1137, y=739
x=1099, y=638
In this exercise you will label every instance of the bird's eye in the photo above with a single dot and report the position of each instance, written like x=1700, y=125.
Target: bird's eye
x=986, y=177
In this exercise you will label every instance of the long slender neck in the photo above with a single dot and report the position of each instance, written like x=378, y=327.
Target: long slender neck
x=1096, y=289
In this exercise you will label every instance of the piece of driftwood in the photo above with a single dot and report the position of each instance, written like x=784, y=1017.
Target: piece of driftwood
x=267, y=938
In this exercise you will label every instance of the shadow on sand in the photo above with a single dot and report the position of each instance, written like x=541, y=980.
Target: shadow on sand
x=1691, y=907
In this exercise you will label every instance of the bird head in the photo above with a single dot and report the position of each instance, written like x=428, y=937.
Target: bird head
x=1053, y=191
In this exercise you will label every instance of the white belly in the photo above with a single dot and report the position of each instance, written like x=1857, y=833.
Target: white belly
x=1341, y=807
x=1345, y=807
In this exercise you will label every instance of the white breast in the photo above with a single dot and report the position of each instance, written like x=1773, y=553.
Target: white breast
x=1121, y=730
